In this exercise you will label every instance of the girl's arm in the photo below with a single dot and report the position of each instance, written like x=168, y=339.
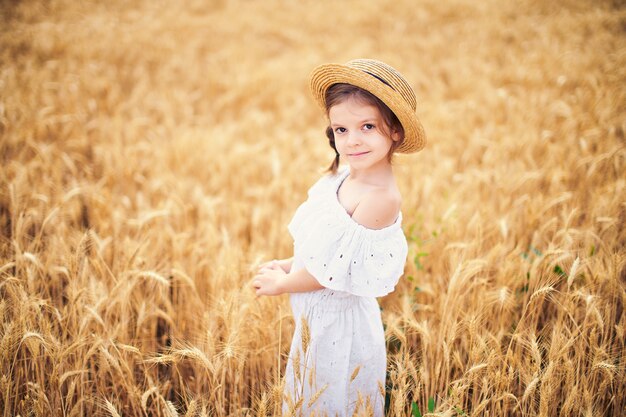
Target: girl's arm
x=274, y=281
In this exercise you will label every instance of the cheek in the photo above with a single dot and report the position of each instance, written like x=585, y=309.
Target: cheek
x=385, y=143
x=339, y=143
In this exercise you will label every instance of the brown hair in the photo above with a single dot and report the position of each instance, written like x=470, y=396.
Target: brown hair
x=338, y=93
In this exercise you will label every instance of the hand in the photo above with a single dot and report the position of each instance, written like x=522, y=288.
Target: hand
x=267, y=281
x=284, y=264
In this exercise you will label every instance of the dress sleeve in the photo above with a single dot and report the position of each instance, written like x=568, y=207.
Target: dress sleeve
x=344, y=255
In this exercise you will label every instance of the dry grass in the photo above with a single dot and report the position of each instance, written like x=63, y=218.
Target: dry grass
x=152, y=152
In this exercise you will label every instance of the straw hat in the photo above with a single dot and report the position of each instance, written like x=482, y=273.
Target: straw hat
x=385, y=83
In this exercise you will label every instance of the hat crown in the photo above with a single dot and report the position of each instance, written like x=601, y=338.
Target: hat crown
x=388, y=75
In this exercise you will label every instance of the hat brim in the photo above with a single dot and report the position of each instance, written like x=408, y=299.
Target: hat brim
x=326, y=75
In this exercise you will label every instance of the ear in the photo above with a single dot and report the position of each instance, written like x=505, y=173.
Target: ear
x=396, y=136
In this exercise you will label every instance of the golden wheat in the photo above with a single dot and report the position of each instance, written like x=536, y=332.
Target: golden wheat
x=153, y=152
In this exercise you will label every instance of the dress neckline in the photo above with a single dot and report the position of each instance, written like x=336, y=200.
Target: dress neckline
x=341, y=177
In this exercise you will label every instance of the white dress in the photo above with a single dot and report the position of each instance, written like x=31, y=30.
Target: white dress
x=345, y=332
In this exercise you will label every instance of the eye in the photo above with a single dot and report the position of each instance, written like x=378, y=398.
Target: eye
x=340, y=130
x=368, y=126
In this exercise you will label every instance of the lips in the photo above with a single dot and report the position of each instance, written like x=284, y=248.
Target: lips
x=358, y=154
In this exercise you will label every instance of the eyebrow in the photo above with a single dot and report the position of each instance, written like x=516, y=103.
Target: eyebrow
x=364, y=121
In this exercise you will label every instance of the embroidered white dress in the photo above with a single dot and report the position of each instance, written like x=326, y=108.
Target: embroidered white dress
x=354, y=264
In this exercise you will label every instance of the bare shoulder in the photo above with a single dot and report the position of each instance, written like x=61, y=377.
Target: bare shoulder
x=378, y=208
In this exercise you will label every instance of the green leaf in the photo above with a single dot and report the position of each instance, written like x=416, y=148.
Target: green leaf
x=431, y=404
x=592, y=251
x=416, y=259
x=459, y=411
x=415, y=411
x=558, y=270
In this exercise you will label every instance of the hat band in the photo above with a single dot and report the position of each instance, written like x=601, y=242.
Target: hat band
x=380, y=79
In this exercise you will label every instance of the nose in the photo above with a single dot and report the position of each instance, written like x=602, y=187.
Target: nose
x=354, y=138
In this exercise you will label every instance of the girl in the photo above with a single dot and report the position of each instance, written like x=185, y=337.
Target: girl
x=349, y=246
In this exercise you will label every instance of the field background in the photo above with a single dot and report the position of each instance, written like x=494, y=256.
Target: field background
x=153, y=152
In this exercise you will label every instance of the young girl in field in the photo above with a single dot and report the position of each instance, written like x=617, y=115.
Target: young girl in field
x=349, y=246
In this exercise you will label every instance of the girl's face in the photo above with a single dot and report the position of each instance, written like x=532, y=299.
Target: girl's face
x=361, y=138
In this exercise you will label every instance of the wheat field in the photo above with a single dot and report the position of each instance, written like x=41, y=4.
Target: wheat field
x=153, y=153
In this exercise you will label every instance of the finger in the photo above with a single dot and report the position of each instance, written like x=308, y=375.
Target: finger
x=267, y=264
